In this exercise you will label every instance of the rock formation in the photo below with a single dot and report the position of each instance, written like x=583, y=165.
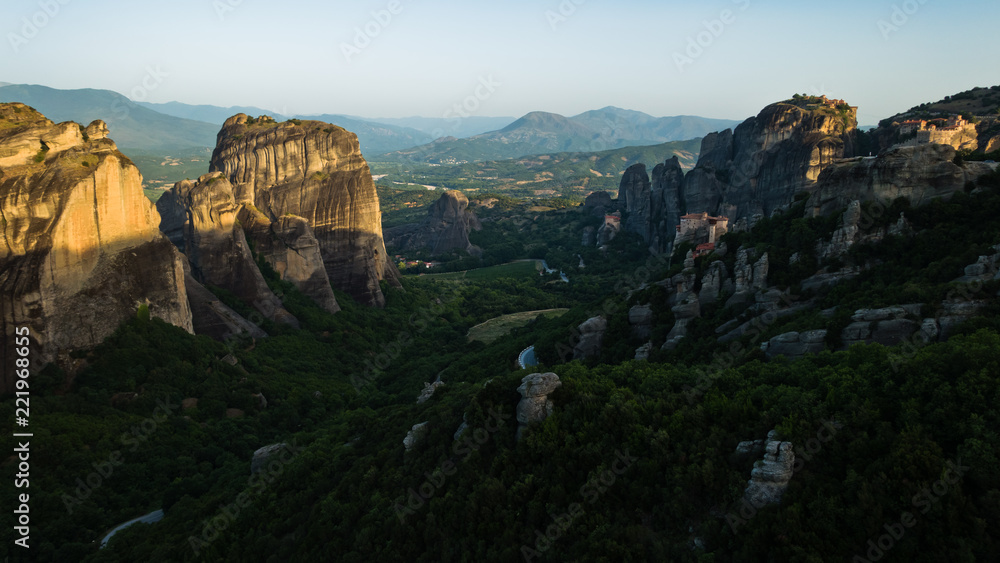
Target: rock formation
x=446, y=227
x=415, y=436
x=81, y=250
x=640, y=317
x=609, y=230
x=591, y=337
x=290, y=247
x=215, y=244
x=264, y=455
x=666, y=203
x=535, y=404
x=769, y=478
x=634, y=200
x=598, y=204
x=760, y=166
x=748, y=277
x=794, y=345
x=315, y=171
x=887, y=326
x=919, y=173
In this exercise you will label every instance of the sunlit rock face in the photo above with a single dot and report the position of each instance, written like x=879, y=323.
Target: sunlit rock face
x=769, y=158
x=918, y=173
x=315, y=171
x=81, y=247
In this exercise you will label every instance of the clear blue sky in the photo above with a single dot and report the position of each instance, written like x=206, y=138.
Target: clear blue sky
x=563, y=56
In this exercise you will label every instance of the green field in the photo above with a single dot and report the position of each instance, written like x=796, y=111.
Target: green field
x=519, y=269
x=494, y=328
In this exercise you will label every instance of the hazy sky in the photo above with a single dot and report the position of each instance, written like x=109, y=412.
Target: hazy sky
x=724, y=58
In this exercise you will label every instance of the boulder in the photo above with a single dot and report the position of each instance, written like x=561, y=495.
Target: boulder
x=770, y=477
x=264, y=455
x=415, y=436
x=535, y=405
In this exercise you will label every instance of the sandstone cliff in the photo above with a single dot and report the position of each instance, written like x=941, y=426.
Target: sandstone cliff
x=214, y=242
x=81, y=250
x=446, y=227
x=315, y=171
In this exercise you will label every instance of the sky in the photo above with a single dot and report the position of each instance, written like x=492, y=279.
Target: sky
x=399, y=58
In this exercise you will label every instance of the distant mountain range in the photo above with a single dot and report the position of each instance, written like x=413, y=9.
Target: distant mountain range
x=542, y=132
x=161, y=128
x=132, y=126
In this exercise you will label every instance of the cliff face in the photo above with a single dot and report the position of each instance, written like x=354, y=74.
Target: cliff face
x=446, y=227
x=767, y=160
x=634, y=200
x=214, y=242
x=81, y=250
x=666, y=203
x=315, y=171
x=919, y=173
x=290, y=247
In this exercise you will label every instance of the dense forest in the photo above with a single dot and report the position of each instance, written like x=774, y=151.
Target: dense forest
x=896, y=448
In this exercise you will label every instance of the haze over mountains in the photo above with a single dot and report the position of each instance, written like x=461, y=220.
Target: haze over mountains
x=159, y=127
x=542, y=132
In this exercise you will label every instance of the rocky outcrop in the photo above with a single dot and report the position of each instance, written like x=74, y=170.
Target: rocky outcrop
x=315, y=171
x=215, y=319
x=887, y=326
x=794, y=345
x=843, y=238
x=640, y=317
x=416, y=435
x=598, y=204
x=634, y=200
x=609, y=230
x=666, y=203
x=770, y=477
x=918, y=173
x=263, y=456
x=591, y=337
x=535, y=404
x=81, y=251
x=290, y=247
x=428, y=391
x=714, y=281
x=760, y=166
x=684, y=312
x=215, y=244
x=446, y=227
x=749, y=276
